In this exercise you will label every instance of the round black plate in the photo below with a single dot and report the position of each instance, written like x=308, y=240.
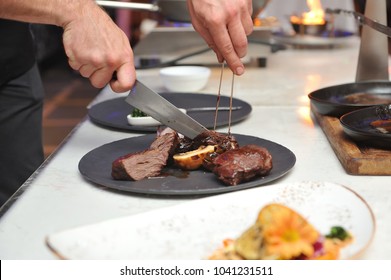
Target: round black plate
x=96, y=167
x=333, y=100
x=356, y=125
x=112, y=113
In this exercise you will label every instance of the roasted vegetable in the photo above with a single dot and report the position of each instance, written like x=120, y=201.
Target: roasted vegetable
x=193, y=160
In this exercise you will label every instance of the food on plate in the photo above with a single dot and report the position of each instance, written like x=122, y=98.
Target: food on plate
x=384, y=126
x=223, y=142
x=280, y=233
x=193, y=159
x=138, y=113
x=147, y=163
x=213, y=151
x=242, y=164
x=139, y=118
x=367, y=98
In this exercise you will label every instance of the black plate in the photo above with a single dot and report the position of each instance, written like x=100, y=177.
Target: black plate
x=112, y=113
x=357, y=126
x=96, y=167
x=332, y=100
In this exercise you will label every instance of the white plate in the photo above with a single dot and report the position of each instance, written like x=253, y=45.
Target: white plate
x=193, y=230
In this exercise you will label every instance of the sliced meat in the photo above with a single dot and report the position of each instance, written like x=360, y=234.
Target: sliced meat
x=223, y=142
x=166, y=143
x=147, y=163
x=185, y=145
x=243, y=164
x=137, y=166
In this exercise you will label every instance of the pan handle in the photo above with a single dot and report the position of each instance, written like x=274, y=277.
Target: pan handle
x=129, y=5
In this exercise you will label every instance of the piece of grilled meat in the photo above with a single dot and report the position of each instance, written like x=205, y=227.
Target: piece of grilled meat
x=242, y=164
x=147, y=163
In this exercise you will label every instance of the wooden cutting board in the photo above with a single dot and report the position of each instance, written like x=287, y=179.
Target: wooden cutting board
x=356, y=158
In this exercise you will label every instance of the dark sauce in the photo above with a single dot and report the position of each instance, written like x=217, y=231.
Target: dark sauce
x=176, y=172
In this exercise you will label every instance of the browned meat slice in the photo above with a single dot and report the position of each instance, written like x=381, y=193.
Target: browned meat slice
x=137, y=166
x=185, y=145
x=242, y=164
x=223, y=142
x=208, y=162
x=166, y=143
x=147, y=163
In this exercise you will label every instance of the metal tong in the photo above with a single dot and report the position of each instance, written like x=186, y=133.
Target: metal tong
x=363, y=20
x=230, y=99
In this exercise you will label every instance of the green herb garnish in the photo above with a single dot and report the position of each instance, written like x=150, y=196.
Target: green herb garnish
x=138, y=113
x=338, y=232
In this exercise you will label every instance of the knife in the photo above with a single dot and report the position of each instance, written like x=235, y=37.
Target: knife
x=153, y=104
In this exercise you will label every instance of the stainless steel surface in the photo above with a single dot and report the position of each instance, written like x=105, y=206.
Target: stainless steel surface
x=162, y=110
x=373, y=55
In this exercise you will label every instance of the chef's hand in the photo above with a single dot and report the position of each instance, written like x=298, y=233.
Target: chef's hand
x=224, y=24
x=97, y=48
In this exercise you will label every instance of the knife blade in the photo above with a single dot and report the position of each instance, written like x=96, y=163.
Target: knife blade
x=159, y=108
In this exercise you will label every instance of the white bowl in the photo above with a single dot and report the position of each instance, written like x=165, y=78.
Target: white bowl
x=145, y=121
x=185, y=78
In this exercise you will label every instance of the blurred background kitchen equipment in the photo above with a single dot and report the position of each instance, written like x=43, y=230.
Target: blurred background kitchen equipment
x=174, y=10
x=185, y=78
x=363, y=20
x=372, y=77
x=172, y=40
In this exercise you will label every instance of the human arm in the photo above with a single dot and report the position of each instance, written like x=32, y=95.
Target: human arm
x=94, y=45
x=224, y=25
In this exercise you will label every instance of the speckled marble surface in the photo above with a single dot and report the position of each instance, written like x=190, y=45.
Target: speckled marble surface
x=58, y=198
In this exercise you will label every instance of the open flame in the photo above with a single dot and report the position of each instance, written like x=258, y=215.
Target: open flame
x=315, y=16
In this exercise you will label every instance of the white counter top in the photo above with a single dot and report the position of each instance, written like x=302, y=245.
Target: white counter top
x=58, y=197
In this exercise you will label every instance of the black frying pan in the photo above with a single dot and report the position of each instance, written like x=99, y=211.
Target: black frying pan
x=372, y=86
x=358, y=126
x=341, y=99
x=174, y=10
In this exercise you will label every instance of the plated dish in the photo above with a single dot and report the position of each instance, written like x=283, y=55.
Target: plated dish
x=362, y=126
x=281, y=233
x=180, y=232
x=113, y=113
x=341, y=99
x=96, y=166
